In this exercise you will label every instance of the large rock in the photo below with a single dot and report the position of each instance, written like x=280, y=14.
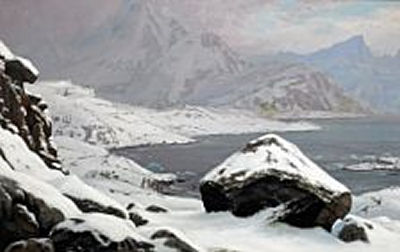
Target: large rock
x=98, y=233
x=271, y=172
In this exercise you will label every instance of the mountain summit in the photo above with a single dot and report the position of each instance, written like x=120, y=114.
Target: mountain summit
x=354, y=48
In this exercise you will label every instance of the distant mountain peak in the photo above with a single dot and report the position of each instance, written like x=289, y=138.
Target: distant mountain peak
x=355, y=42
x=354, y=47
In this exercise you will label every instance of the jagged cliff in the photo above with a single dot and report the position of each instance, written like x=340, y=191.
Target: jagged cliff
x=24, y=113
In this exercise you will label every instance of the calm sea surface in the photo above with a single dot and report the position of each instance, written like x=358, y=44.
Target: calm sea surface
x=339, y=143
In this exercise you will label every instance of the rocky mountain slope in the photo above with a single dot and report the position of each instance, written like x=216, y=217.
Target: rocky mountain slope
x=154, y=53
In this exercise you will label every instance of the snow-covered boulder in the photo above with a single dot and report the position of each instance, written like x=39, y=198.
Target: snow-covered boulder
x=351, y=229
x=271, y=172
x=21, y=69
x=98, y=232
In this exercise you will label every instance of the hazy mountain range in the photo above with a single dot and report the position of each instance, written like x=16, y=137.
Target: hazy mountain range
x=372, y=79
x=149, y=53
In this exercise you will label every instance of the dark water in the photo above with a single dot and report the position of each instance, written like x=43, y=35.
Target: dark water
x=339, y=143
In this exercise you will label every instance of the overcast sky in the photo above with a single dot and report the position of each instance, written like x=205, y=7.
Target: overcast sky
x=304, y=26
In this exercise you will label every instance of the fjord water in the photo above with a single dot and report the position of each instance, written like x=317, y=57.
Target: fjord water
x=339, y=143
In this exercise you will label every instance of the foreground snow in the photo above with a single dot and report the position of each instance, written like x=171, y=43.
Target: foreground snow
x=215, y=231
x=77, y=113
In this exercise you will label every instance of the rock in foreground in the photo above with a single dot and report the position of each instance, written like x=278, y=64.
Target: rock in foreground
x=271, y=172
x=98, y=232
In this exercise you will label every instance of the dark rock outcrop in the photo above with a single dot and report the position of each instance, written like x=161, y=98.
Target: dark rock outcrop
x=271, y=172
x=24, y=113
x=23, y=214
x=156, y=209
x=97, y=233
x=137, y=219
x=91, y=206
x=31, y=245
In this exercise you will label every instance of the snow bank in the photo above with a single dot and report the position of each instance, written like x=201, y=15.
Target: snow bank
x=383, y=203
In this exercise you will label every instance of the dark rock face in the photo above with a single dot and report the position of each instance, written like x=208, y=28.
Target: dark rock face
x=172, y=240
x=137, y=219
x=31, y=245
x=18, y=70
x=280, y=179
x=24, y=113
x=156, y=209
x=22, y=215
x=90, y=206
x=90, y=239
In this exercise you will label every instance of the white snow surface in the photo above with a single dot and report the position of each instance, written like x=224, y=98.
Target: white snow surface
x=5, y=51
x=382, y=203
x=77, y=113
x=22, y=160
x=273, y=154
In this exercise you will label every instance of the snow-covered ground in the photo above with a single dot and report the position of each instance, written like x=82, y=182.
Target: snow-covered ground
x=119, y=179
x=77, y=113
x=86, y=125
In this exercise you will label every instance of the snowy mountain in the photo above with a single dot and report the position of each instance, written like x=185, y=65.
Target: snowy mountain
x=369, y=78
x=155, y=53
